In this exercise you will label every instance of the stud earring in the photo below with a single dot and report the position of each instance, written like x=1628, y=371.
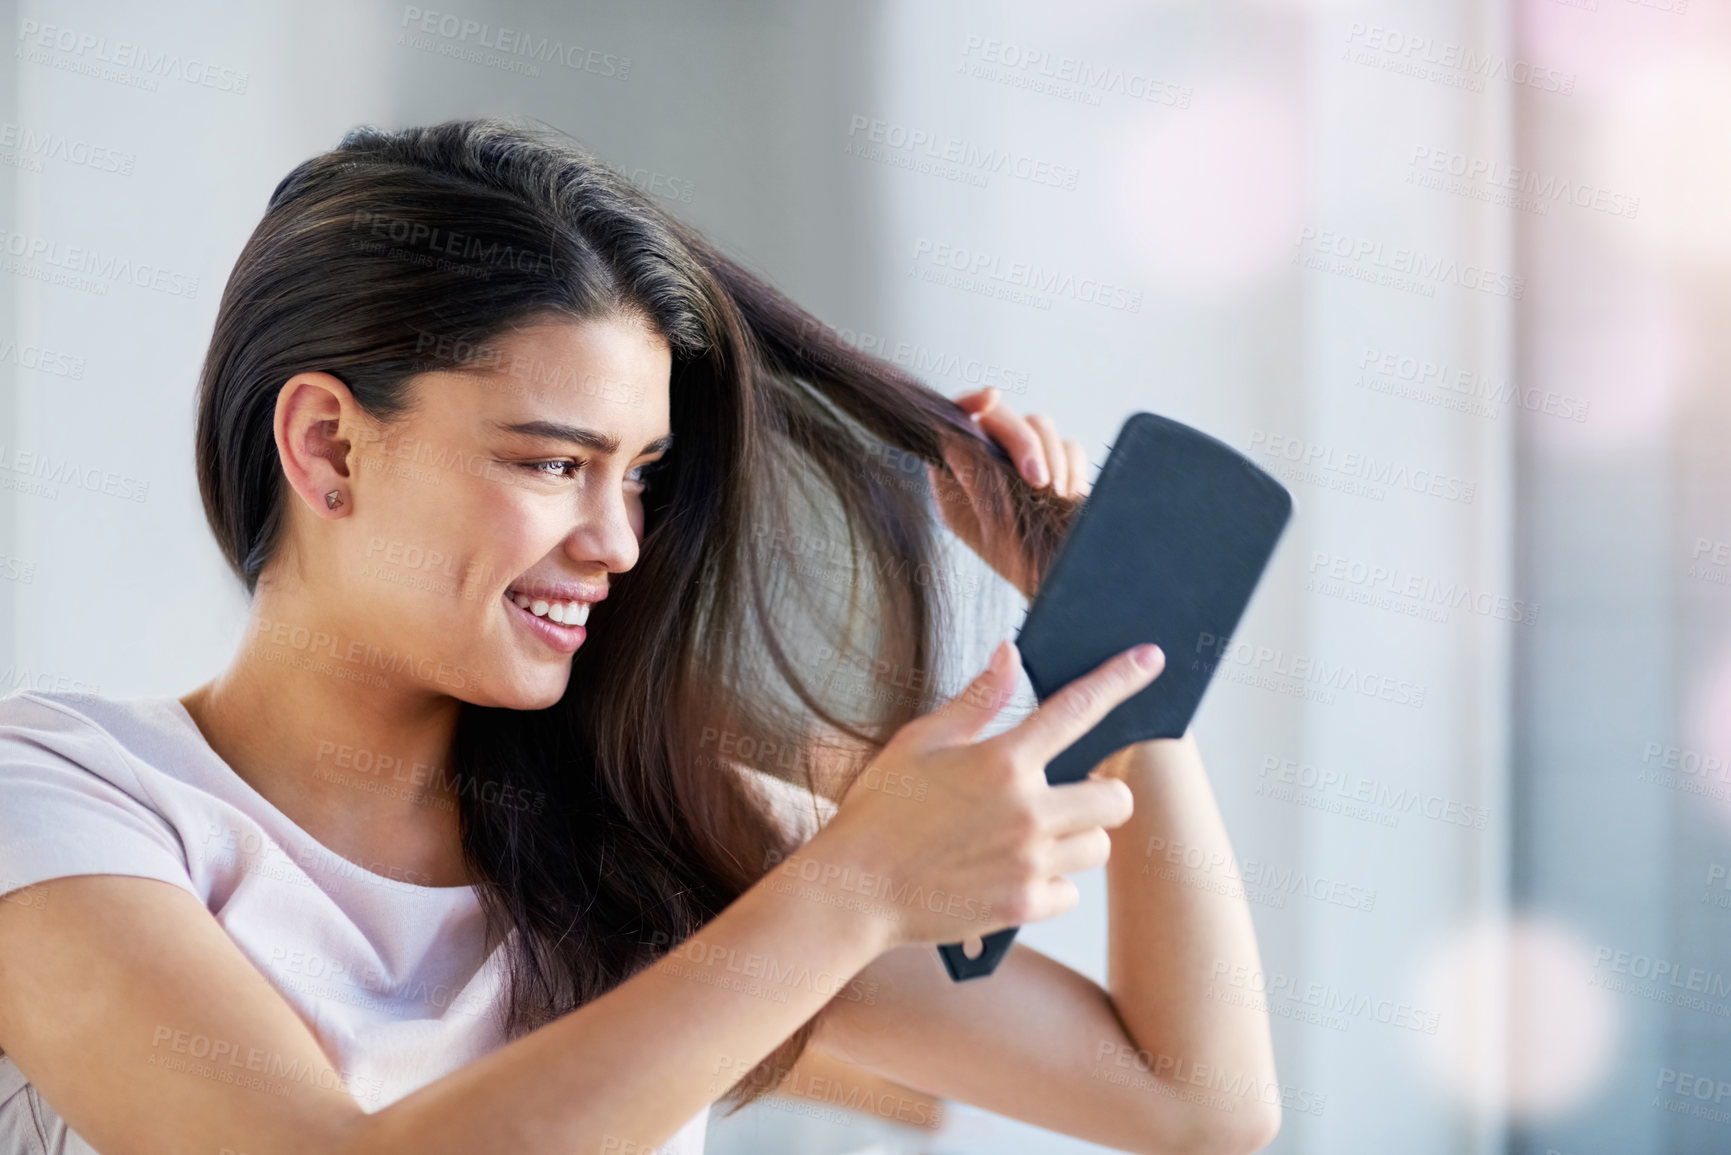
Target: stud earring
x=334, y=499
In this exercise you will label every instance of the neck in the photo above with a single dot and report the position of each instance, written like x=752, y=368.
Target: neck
x=363, y=767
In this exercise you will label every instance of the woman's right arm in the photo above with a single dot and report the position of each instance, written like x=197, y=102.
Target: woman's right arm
x=130, y=1009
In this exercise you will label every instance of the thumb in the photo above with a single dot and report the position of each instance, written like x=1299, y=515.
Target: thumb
x=963, y=716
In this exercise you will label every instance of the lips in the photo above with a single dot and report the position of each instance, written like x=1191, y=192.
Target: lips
x=554, y=614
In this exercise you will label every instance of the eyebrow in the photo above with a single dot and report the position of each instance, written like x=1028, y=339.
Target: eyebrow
x=588, y=438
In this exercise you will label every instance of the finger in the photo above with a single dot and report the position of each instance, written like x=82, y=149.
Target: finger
x=977, y=401
x=1052, y=898
x=1079, y=470
x=952, y=488
x=1081, y=851
x=1072, y=807
x=1073, y=710
x=963, y=716
x=1056, y=458
x=1019, y=439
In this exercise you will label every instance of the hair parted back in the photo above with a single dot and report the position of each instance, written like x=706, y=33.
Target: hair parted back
x=726, y=635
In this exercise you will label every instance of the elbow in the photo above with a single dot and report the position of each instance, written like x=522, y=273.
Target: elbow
x=1257, y=1130
x=1249, y=1127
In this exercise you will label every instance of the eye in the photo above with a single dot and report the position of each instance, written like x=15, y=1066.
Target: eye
x=562, y=467
x=646, y=473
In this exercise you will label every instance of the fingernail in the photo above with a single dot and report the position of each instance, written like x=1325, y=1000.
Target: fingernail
x=1146, y=656
x=1034, y=470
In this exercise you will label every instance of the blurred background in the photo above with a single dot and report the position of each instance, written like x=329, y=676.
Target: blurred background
x=1450, y=270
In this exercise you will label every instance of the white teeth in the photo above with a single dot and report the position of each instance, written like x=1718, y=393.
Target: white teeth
x=565, y=613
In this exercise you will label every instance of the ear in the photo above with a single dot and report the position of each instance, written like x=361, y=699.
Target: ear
x=316, y=419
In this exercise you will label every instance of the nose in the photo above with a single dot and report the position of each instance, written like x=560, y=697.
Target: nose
x=607, y=531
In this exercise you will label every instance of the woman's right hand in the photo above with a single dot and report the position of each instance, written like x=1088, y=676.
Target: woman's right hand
x=947, y=839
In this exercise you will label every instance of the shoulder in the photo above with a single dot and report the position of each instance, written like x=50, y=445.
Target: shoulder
x=73, y=800
x=68, y=730
x=51, y=722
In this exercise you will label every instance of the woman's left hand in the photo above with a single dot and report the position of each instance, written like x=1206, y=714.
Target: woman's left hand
x=1043, y=460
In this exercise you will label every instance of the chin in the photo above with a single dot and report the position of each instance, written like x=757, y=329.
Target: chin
x=515, y=684
x=534, y=693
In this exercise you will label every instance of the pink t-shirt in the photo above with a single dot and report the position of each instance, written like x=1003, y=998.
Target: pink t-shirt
x=392, y=978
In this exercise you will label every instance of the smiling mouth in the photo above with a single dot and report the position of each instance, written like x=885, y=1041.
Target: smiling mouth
x=560, y=613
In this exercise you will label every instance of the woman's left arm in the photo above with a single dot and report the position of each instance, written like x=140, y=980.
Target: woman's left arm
x=1167, y=1059
x=1157, y=1062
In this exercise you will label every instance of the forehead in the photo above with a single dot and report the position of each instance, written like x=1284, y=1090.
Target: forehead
x=607, y=373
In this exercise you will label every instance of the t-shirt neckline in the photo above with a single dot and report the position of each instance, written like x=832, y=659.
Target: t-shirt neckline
x=230, y=777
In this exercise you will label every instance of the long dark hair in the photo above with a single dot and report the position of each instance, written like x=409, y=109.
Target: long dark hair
x=789, y=535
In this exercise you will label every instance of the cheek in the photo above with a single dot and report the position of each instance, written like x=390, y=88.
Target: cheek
x=514, y=528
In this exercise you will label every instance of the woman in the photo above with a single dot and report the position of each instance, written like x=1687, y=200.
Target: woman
x=559, y=526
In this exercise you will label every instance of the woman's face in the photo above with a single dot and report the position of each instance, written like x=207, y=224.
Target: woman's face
x=491, y=516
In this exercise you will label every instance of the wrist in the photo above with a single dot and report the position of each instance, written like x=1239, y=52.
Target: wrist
x=834, y=885
x=1150, y=754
